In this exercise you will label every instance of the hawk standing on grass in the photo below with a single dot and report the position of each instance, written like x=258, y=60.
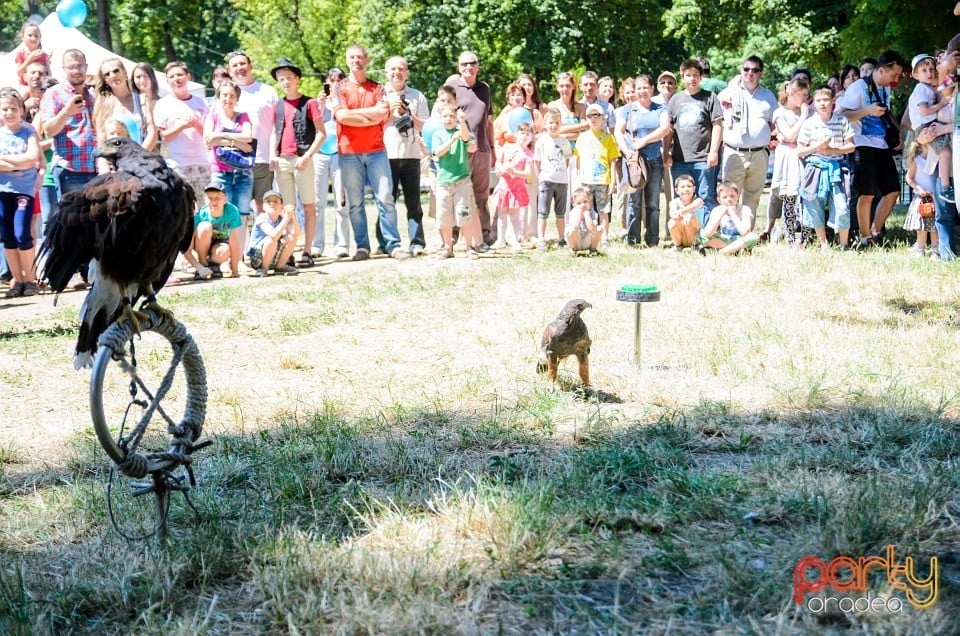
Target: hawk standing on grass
x=130, y=224
x=566, y=336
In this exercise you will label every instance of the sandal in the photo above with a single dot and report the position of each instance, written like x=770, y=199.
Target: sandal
x=305, y=260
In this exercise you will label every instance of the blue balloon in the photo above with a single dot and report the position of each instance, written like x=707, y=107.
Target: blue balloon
x=430, y=127
x=329, y=145
x=518, y=116
x=71, y=13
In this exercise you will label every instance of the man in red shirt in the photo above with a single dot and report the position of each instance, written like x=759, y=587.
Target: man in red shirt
x=360, y=108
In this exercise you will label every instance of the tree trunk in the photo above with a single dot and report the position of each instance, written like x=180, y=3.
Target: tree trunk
x=103, y=19
x=168, y=49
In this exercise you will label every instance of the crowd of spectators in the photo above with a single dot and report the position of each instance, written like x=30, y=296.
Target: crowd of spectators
x=702, y=145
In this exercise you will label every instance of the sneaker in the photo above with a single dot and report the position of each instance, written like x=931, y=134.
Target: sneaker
x=916, y=251
x=947, y=195
x=203, y=272
x=286, y=270
x=260, y=272
x=445, y=253
x=499, y=245
x=542, y=246
x=825, y=248
x=483, y=248
x=343, y=252
x=472, y=254
x=934, y=252
x=417, y=250
x=14, y=292
x=29, y=289
x=399, y=254
x=361, y=255
x=381, y=251
x=562, y=243
x=215, y=271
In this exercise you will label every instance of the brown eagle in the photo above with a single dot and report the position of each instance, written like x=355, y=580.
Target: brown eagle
x=566, y=336
x=130, y=224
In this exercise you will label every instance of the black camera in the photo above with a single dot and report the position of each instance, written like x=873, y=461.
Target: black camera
x=404, y=122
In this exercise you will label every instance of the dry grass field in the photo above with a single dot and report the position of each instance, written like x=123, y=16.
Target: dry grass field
x=387, y=461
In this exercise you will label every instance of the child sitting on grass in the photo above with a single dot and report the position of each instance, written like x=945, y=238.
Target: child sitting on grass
x=728, y=228
x=583, y=232
x=685, y=211
x=274, y=237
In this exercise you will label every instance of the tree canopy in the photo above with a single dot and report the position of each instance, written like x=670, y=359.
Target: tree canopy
x=541, y=37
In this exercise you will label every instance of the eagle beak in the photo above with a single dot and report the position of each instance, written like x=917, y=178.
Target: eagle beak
x=96, y=153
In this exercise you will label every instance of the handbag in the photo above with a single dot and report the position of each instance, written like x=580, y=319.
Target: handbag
x=236, y=158
x=636, y=171
x=926, y=207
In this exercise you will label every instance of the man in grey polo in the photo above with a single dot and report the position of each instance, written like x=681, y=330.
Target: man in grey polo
x=747, y=111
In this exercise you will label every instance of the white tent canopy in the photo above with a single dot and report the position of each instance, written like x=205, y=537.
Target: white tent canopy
x=58, y=38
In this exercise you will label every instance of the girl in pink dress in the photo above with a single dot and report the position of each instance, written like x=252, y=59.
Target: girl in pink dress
x=510, y=195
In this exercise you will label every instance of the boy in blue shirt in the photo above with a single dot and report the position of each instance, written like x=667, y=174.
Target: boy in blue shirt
x=216, y=235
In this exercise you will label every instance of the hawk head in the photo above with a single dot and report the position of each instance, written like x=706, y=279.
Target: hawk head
x=116, y=147
x=574, y=307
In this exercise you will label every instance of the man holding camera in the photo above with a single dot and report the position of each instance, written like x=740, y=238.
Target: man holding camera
x=408, y=111
x=66, y=112
x=66, y=116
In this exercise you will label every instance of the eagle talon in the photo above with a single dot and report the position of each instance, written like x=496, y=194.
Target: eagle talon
x=128, y=314
x=155, y=307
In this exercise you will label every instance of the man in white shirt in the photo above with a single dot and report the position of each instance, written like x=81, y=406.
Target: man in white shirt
x=257, y=100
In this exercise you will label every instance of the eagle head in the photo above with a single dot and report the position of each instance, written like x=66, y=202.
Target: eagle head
x=112, y=148
x=575, y=307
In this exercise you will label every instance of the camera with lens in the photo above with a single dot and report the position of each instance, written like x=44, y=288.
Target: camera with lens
x=404, y=122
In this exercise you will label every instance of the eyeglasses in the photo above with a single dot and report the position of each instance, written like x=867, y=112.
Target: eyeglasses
x=233, y=54
x=564, y=75
x=751, y=69
x=471, y=63
x=113, y=71
x=671, y=83
x=75, y=68
x=594, y=115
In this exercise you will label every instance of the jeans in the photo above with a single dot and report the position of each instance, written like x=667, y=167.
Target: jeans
x=70, y=181
x=238, y=185
x=48, y=203
x=372, y=169
x=406, y=175
x=326, y=170
x=946, y=222
x=649, y=198
x=706, y=180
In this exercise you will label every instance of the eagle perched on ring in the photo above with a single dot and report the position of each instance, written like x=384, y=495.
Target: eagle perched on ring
x=130, y=224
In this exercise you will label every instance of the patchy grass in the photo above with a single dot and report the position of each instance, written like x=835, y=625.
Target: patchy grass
x=387, y=461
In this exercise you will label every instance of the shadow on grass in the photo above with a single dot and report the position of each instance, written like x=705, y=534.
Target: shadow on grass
x=689, y=522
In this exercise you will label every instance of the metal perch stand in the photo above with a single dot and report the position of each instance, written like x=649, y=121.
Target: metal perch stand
x=116, y=345
x=638, y=294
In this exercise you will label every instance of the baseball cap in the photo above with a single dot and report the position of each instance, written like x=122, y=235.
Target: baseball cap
x=919, y=58
x=594, y=108
x=272, y=193
x=667, y=74
x=213, y=185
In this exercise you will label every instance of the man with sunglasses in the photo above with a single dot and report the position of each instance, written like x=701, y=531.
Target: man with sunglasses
x=66, y=116
x=747, y=111
x=473, y=97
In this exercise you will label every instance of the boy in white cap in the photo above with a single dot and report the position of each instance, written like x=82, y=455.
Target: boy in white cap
x=274, y=237
x=597, y=155
x=924, y=105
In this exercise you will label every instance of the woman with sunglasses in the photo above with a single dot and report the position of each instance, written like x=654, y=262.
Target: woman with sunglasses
x=115, y=100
